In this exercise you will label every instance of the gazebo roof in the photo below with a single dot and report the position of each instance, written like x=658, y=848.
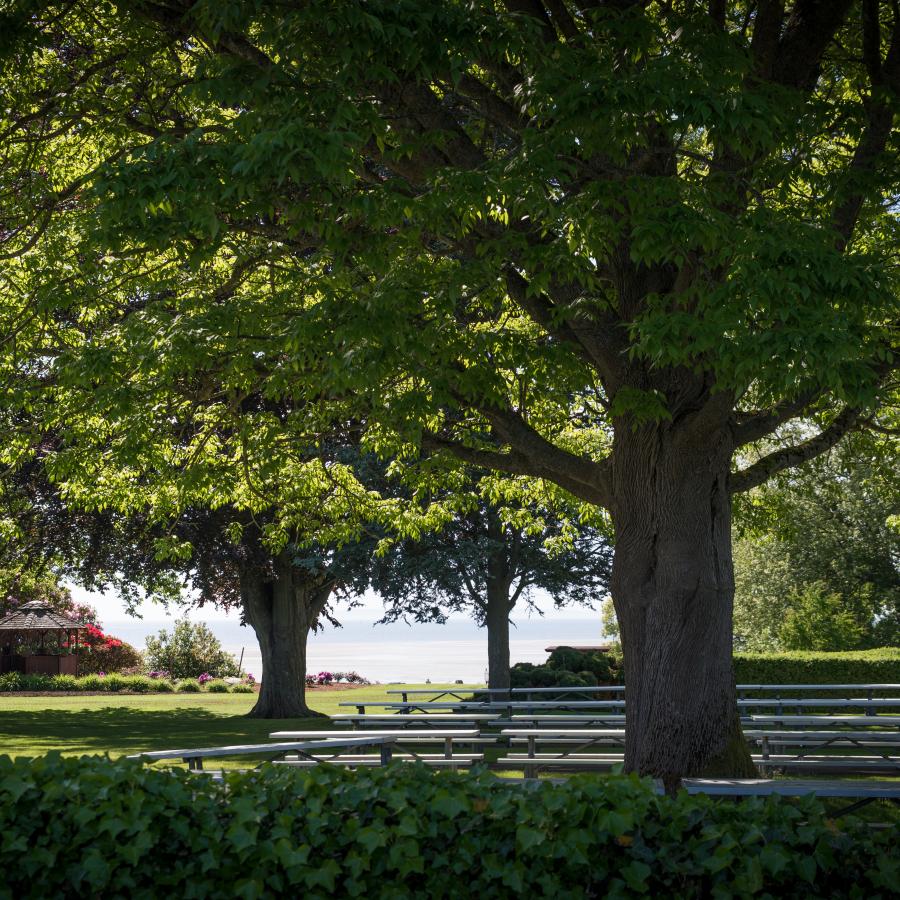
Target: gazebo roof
x=37, y=616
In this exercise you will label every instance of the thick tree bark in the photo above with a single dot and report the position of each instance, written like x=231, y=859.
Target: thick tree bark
x=673, y=589
x=282, y=607
x=497, y=621
x=497, y=606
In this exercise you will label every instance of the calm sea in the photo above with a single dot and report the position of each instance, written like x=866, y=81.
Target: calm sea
x=397, y=652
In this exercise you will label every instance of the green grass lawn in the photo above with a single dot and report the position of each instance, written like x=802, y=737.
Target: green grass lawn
x=120, y=724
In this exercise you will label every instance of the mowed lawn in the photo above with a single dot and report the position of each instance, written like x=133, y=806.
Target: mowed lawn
x=120, y=724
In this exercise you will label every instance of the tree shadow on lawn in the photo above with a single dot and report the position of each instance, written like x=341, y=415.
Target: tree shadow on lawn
x=121, y=730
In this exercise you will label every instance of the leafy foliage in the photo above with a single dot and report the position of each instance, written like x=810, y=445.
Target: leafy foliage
x=18, y=587
x=880, y=666
x=190, y=650
x=567, y=667
x=418, y=219
x=104, y=653
x=817, y=561
x=454, y=569
x=90, y=825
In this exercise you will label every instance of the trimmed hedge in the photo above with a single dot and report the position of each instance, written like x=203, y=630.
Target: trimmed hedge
x=93, y=827
x=570, y=668
x=881, y=666
x=138, y=684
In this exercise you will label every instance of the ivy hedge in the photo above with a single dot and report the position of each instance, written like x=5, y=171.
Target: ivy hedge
x=881, y=666
x=93, y=827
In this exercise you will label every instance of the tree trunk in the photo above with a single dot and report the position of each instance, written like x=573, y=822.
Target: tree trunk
x=282, y=607
x=673, y=589
x=496, y=610
x=497, y=620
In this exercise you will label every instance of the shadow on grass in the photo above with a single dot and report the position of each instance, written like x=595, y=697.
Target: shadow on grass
x=120, y=730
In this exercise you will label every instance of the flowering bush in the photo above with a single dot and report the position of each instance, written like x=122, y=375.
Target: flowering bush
x=160, y=673
x=99, y=651
x=249, y=679
x=204, y=678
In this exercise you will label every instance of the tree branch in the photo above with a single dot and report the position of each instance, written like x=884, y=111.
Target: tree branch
x=562, y=19
x=880, y=114
x=578, y=474
x=808, y=32
x=556, y=319
x=491, y=105
x=800, y=453
x=517, y=463
x=534, y=10
x=757, y=425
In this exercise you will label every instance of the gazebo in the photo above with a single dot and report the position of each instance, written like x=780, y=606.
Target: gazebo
x=37, y=619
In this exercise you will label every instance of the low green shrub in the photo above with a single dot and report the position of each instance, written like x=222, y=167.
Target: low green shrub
x=139, y=684
x=114, y=683
x=241, y=688
x=881, y=666
x=10, y=681
x=567, y=667
x=188, y=686
x=570, y=660
x=217, y=687
x=94, y=827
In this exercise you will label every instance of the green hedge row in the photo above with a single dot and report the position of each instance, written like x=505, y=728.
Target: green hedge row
x=137, y=684
x=566, y=667
x=880, y=666
x=92, y=827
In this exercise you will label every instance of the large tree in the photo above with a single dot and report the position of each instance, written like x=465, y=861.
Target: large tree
x=606, y=244
x=485, y=562
x=187, y=555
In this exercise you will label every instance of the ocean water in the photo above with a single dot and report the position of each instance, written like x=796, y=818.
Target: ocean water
x=396, y=652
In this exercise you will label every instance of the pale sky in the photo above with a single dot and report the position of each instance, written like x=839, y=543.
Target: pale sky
x=110, y=609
